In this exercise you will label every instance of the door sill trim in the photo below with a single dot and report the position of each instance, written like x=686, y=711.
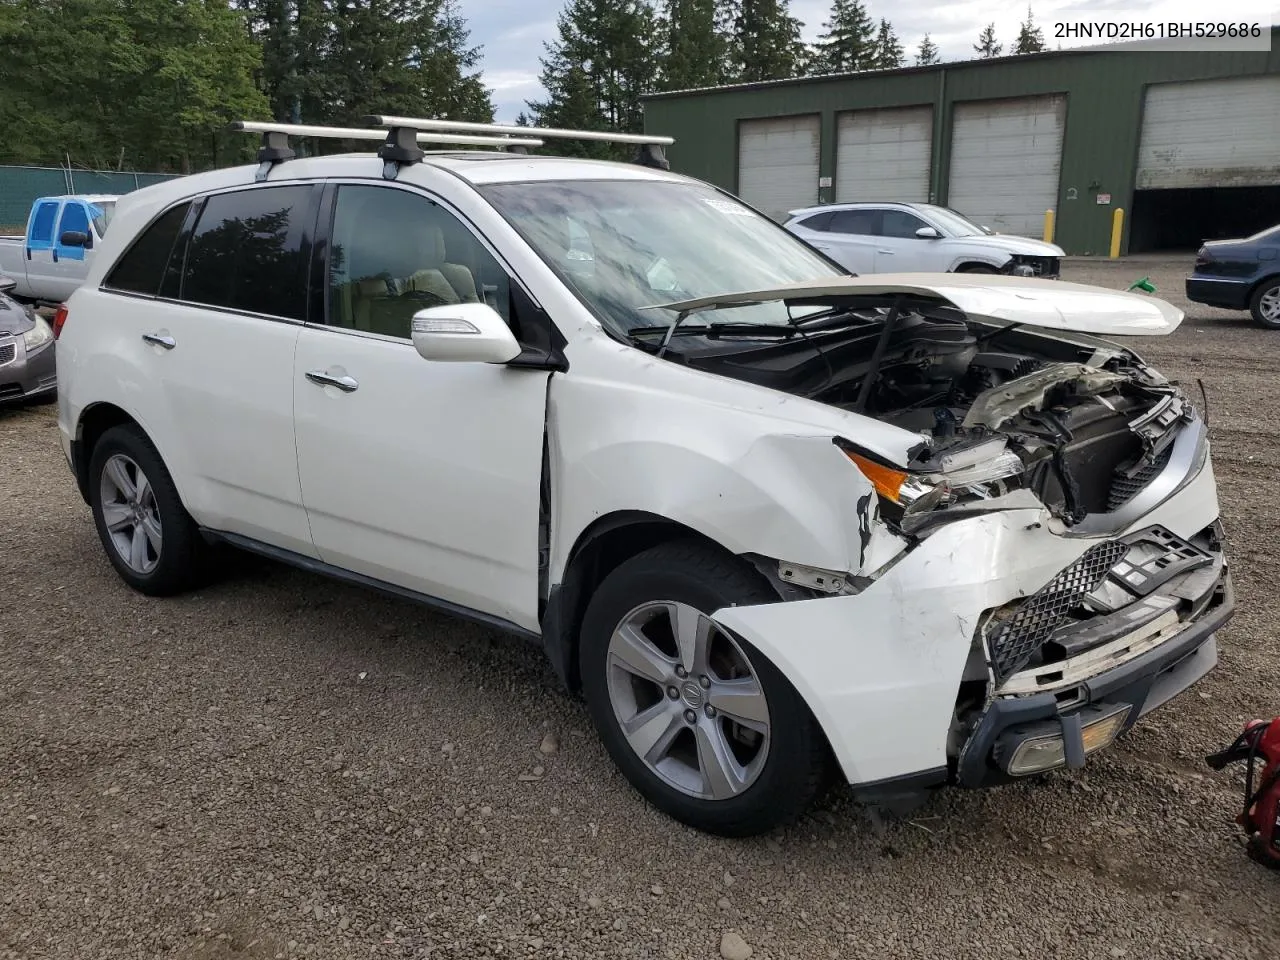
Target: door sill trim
x=312, y=565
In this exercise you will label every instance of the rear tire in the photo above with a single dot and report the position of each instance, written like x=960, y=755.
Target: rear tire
x=1265, y=304
x=727, y=746
x=147, y=533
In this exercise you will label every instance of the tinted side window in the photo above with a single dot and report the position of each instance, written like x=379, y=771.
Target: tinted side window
x=247, y=253
x=819, y=221
x=898, y=223
x=865, y=222
x=393, y=253
x=143, y=264
x=42, y=224
x=74, y=217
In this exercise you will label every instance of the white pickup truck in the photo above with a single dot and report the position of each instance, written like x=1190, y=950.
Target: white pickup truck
x=52, y=257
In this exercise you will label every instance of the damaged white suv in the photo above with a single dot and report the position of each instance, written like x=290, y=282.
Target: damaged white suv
x=770, y=519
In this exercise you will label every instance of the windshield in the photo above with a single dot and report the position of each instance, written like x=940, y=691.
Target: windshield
x=102, y=212
x=954, y=223
x=624, y=245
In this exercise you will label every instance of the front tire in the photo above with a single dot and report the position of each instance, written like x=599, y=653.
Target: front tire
x=705, y=727
x=148, y=535
x=977, y=268
x=1265, y=304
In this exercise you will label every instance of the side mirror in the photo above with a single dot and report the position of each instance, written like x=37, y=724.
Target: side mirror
x=928, y=233
x=74, y=238
x=464, y=332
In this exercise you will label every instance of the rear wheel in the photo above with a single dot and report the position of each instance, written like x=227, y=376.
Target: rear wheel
x=148, y=535
x=1265, y=304
x=704, y=726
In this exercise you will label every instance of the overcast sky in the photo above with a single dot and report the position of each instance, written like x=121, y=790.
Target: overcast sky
x=512, y=32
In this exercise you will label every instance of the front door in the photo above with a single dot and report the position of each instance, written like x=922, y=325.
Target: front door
x=899, y=250
x=421, y=474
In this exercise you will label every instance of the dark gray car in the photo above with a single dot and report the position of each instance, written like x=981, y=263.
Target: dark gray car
x=27, y=369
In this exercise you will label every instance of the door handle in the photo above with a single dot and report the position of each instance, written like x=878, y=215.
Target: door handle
x=55, y=254
x=160, y=340
x=345, y=384
x=884, y=251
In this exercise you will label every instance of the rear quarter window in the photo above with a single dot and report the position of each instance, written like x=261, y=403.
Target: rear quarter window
x=142, y=267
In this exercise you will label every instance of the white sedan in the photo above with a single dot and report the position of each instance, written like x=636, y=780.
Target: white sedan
x=918, y=238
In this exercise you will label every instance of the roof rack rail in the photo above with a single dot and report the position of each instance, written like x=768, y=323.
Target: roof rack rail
x=275, y=140
x=649, y=150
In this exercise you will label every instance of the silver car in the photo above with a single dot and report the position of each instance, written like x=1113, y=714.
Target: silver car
x=27, y=370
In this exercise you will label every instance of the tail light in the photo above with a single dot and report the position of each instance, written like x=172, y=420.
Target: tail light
x=1202, y=257
x=59, y=318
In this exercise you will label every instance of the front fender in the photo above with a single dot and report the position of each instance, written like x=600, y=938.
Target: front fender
x=781, y=495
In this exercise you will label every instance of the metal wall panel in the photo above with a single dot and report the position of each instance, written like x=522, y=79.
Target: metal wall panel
x=1006, y=159
x=1211, y=133
x=884, y=154
x=778, y=163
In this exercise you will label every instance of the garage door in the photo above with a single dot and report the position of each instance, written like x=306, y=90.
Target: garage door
x=778, y=164
x=1211, y=133
x=884, y=154
x=1006, y=156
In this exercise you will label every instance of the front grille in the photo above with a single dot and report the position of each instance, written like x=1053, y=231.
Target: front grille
x=1127, y=481
x=1016, y=639
x=7, y=352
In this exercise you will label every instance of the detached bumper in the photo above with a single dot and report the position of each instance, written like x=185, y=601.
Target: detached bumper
x=26, y=376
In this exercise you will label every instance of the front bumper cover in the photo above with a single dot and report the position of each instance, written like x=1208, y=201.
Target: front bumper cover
x=25, y=376
x=1143, y=684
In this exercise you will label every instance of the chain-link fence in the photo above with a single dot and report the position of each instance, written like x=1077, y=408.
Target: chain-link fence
x=22, y=186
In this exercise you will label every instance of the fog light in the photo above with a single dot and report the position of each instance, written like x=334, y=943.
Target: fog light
x=1039, y=754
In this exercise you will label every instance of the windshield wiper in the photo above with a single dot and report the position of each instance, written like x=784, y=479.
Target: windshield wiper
x=731, y=329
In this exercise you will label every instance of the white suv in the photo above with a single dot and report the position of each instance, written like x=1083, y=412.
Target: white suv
x=771, y=520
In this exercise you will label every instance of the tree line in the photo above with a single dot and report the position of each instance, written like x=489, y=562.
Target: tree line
x=609, y=53
x=152, y=84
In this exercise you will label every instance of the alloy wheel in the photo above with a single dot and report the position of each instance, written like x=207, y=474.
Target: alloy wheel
x=1269, y=306
x=687, y=700
x=130, y=513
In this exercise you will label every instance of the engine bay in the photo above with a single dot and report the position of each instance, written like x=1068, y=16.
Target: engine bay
x=1089, y=421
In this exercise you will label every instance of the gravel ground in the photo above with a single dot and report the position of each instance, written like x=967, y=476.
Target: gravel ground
x=279, y=766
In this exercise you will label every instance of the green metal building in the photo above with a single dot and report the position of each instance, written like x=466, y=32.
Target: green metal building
x=1186, y=143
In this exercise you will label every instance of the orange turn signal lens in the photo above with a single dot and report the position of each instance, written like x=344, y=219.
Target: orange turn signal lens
x=887, y=481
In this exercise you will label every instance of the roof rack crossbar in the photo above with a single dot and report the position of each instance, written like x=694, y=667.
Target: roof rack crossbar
x=423, y=123
x=361, y=133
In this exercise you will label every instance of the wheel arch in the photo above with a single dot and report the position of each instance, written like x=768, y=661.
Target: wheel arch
x=601, y=548
x=95, y=420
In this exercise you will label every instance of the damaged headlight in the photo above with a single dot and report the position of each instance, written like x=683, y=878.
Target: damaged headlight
x=978, y=472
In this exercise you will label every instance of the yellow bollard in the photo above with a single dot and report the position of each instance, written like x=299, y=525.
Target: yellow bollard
x=1048, y=226
x=1117, y=228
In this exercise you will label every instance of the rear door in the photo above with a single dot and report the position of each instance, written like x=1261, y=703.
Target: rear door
x=851, y=239
x=40, y=247
x=214, y=335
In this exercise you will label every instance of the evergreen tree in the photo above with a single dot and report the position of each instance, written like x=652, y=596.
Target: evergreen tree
x=849, y=41
x=766, y=42
x=887, y=49
x=986, y=47
x=596, y=71
x=1030, y=37
x=928, y=52
x=142, y=84
x=694, y=48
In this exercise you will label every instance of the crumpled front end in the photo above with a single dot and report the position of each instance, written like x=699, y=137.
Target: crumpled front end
x=1004, y=628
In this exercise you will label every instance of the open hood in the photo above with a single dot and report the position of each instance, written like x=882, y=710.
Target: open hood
x=1054, y=304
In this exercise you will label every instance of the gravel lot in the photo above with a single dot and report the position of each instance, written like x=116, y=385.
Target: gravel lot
x=279, y=766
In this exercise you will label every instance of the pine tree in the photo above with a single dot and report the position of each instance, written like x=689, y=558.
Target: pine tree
x=887, y=49
x=1030, y=37
x=694, y=48
x=849, y=41
x=986, y=47
x=766, y=42
x=928, y=52
x=596, y=71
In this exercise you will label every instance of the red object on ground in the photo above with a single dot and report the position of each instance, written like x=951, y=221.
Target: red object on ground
x=1260, y=817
